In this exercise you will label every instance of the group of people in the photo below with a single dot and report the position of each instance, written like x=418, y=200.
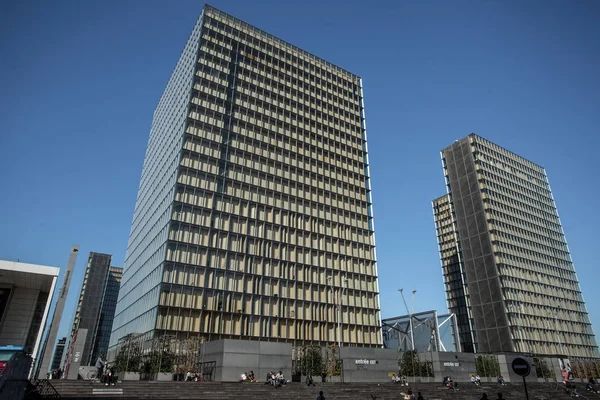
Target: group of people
x=401, y=380
x=449, y=383
x=106, y=375
x=193, y=377
x=476, y=379
x=248, y=377
x=276, y=379
x=409, y=395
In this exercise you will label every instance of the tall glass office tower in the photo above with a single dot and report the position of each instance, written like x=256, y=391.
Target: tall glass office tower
x=507, y=268
x=253, y=218
x=95, y=312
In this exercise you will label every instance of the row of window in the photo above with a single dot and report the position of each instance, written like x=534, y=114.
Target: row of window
x=236, y=325
x=535, y=224
x=307, y=100
x=517, y=178
x=224, y=260
x=277, y=94
x=222, y=50
x=529, y=201
x=329, y=162
x=240, y=240
x=296, y=59
x=274, y=96
x=261, y=129
x=252, y=49
x=270, y=297
x=287, y=173
x=501, y=154
x=535, y=282
x=349, y=273
x=278, y=211
x=333, y=208
x=287, y=184
x=310, y=121
x=275, y=160
x=271, y=80
x=550, y=238
x=271, y=224
x=563, y=270
x=536, y=247
x=244, y=244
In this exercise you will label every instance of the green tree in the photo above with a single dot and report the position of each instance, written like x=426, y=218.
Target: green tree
x=129, y=357
x=487, y=366
x=158, y=361
x=333, y=367
x=311, y=361
x=541, y=368
x=409, y=363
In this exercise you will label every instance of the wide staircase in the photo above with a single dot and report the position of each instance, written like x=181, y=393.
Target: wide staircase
x=297, y=391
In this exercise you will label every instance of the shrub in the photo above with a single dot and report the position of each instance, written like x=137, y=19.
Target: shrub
x=487, y=366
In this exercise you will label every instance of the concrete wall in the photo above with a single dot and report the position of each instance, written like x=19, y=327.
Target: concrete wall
x=363, y=364
x=18, y=317
x=234, y=357
x=457, y=365
x=506, y=370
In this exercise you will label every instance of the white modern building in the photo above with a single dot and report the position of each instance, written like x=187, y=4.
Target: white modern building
x=26, y=292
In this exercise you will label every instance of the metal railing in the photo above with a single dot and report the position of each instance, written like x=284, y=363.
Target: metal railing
x=572, y=392
x=42, y=388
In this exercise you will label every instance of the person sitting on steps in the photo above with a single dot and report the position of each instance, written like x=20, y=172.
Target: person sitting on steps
x=590, y=386
x=309, y=380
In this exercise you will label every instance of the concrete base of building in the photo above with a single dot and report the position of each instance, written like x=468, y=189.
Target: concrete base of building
x=227, y=359
x=232, y=358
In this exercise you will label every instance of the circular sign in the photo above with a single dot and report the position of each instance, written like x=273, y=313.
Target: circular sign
x=521, y=367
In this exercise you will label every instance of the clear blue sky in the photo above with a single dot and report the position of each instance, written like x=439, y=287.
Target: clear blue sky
x=79, y=81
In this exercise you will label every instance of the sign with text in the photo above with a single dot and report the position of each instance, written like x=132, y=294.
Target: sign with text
x=365, y=362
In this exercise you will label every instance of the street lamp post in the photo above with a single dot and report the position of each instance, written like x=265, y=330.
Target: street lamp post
x=410, y=322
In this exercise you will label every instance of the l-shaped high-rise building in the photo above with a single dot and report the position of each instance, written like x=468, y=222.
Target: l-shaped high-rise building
x=253, y=218
x=507, y=269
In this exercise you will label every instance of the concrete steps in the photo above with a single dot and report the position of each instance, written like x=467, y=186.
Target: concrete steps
x=296, y=391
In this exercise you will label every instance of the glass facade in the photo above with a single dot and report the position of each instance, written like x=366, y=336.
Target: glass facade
x=107, y=312
x=456, y=290
x=90, y=301
x=507, y=267
x=58, y=354
x=253, y=217
x=96, y=306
